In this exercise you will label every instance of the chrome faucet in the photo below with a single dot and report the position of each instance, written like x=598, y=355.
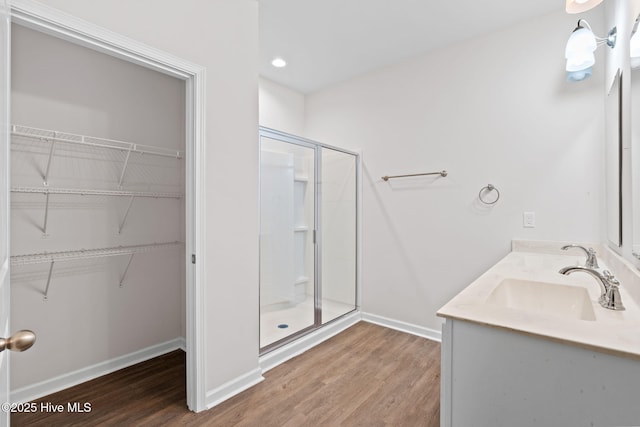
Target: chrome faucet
x=592, y=261
x=610, y=297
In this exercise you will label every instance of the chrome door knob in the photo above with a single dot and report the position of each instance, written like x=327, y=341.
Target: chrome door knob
x=20, y=341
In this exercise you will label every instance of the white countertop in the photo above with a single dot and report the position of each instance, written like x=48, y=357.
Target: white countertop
x=615, y=332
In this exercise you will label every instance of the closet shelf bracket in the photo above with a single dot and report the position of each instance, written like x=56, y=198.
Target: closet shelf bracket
x=124, y=166
x=53, y=146
x=46, y=215
x=124, y=219
x=126, y=269
x=46, y=289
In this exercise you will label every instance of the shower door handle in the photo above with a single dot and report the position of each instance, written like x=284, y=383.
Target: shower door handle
x=20, y=341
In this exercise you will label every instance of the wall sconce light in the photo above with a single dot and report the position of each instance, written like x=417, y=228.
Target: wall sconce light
x=579, y=6
x=580, y=47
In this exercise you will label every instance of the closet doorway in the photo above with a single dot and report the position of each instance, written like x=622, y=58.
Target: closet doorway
x=106, y=204
x=308, y=236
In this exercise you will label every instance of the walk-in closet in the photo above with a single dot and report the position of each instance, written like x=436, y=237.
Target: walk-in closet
x=97, y=212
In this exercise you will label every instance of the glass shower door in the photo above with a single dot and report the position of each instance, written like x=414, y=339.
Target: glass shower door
x=338, y=233
x=287, y=249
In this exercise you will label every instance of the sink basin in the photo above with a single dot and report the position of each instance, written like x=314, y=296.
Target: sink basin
x=557, y=300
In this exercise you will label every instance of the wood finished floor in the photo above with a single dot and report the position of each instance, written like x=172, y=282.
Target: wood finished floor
x=366, y=376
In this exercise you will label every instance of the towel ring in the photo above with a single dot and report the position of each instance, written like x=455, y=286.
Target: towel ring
x=486, y=189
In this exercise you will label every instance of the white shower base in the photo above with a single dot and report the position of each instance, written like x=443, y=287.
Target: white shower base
x=298, y=318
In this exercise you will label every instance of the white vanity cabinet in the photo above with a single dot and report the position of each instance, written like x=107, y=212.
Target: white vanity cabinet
x=494, y=377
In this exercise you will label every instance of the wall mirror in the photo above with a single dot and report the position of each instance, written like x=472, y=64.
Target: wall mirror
x=635, y=140
x=613, y=157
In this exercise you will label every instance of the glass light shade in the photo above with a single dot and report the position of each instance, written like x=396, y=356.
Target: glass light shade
x=576, y=76
x=579, y=6
x=580, y=62
x=580, y=41
x=634, y=49
x=279, y=62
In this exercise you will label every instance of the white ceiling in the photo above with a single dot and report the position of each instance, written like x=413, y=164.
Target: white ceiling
x=328, y=41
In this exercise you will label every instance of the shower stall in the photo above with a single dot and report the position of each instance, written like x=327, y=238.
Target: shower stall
x=308, y=236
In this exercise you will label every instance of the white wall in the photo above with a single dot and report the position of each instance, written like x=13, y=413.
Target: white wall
x=281, y=108
x=491, y=110
x=221, y=35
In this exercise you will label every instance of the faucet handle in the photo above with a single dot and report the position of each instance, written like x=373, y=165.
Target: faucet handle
x=611, y=279
x=611, y=299
x=592, y=261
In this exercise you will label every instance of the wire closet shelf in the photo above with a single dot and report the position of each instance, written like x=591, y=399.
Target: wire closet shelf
x=89, y=192
x=70, y=138
x=53, y=257
x=44, y=257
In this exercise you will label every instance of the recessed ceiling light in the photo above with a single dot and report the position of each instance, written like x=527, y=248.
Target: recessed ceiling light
x=279, y=63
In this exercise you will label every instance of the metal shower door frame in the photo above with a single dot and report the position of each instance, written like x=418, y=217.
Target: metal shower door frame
x=317, y=227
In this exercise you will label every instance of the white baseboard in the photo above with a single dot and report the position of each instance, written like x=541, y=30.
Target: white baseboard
x=401, y=326
x=299, y=346
x=61, y=382
x=233, y=387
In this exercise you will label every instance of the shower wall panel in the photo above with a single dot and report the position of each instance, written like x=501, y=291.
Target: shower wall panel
x=277, y=271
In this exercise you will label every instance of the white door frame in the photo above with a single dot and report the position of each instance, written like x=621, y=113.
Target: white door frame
x=61, y=25
x=5, y=295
